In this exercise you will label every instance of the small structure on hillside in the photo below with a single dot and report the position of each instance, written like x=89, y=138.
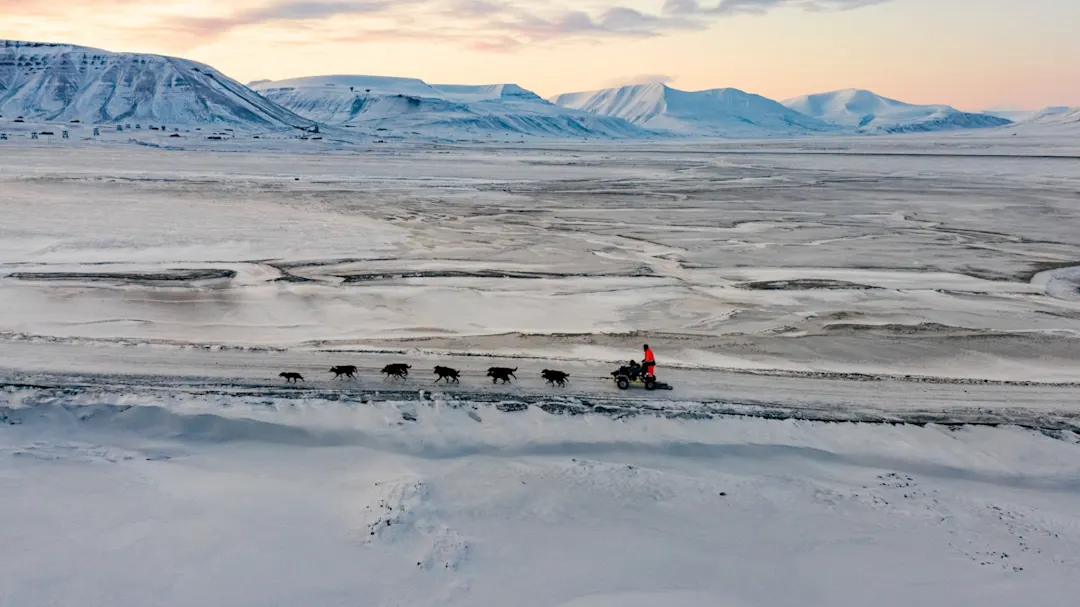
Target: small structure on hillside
x=65, y=135
x=97, y=132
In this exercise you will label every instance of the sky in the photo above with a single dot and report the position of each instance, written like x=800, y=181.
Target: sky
x=972, y=54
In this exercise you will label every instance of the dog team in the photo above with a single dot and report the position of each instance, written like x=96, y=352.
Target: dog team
x=401, y=371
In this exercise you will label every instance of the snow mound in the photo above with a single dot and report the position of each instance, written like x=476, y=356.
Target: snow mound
x=719, y=112
x=408, y=106
x=43, y=81
x=868, y=112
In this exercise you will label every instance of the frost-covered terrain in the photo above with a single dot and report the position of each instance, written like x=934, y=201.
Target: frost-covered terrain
x=868, y=112
x=923, y=290
x=718, y=112
x=66, y=83
x=410, y=107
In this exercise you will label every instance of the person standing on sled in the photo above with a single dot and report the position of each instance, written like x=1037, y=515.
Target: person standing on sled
x=649, y=364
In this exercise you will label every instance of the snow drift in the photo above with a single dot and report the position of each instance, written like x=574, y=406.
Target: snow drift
x=413, y=107
x=724, y=112
x=43, y=81
x=871, y=113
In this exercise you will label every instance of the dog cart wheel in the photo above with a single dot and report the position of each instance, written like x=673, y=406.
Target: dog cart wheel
x=623, y=382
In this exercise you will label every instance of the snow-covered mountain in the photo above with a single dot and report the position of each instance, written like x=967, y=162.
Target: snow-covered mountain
x=63, y=82
x=412, y=106
x=1057, y=115
x=871, y=113
x=490, y=92
x=1051, y=121
x=1016, y=115
x=717, y=112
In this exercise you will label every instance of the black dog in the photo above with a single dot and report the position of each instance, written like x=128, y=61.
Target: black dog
x=555, y=377
x=401, y=371
x=448, y=374
x=344, y=370
x=291, y=377
x=503, y=373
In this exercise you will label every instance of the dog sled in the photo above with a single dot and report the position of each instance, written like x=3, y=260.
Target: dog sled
x=634, y=374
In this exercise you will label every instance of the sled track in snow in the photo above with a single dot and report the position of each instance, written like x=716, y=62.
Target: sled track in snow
x=97, y=390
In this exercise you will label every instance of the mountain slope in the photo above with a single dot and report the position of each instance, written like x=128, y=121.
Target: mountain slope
x=450, y=111
x=722, y=112
x=64, y=82
x=868, y=112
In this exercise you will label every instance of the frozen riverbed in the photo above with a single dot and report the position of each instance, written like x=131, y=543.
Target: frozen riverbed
x=739, y=256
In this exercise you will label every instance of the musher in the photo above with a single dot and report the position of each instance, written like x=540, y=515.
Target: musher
x=649, y=364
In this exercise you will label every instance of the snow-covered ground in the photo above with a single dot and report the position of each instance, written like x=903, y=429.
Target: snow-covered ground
x=303, y=502
x=152, y=290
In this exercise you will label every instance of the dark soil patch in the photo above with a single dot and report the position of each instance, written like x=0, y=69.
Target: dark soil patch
x=137, y=277
x=805, y=284
x=524, y=275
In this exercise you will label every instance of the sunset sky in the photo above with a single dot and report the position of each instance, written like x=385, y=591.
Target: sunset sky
x=972, y=54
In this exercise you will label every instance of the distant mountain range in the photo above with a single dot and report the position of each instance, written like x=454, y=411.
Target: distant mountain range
x=60, y=82
x=407, y=106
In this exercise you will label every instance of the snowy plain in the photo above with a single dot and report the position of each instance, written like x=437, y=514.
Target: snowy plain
x=151, y=290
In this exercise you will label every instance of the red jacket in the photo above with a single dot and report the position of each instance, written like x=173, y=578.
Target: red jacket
x=649, y=358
